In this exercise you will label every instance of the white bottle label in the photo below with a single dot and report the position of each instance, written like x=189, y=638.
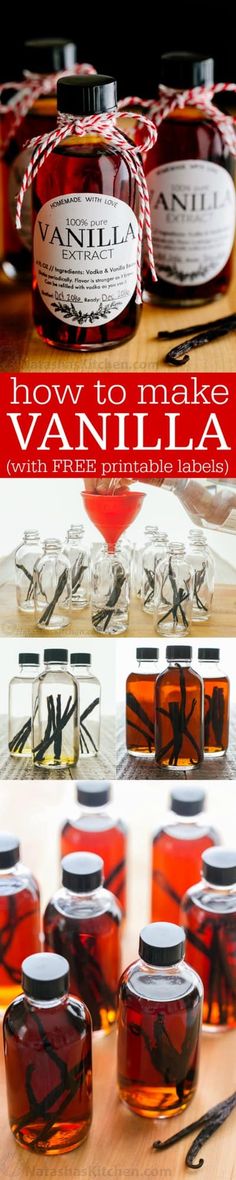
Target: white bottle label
x=193, y=220
x=85, y=257
x=15, y=179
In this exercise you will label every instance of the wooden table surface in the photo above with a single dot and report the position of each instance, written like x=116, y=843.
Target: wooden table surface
x=120, y=1144
x=23, y=350
x=221, y=623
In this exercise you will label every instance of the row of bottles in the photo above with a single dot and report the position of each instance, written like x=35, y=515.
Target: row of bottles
x=52, y=579
x=177, y=715
x=175, y=582
x=54, y=716
x=190, y=156
x=157, y=1064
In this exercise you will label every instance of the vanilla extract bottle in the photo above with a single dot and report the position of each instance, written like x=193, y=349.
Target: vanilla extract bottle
x=85, y=202
x=20, y=718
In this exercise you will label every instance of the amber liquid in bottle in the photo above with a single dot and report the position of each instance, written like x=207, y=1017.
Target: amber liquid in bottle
x=84, y=928
x=109, y=840
x=17, y=245
x=140, y=701
x=178, y=711
x=84, y=166
x=19, y=929
x=216, y=715
x=187, y=135
x=176, y=864
x=209, y=919
x=49, y=1074
x=159, y=1023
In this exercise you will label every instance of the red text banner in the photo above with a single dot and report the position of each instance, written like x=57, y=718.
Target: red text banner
x=105, y=424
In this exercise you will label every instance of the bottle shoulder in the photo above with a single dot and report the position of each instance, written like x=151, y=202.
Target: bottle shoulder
x=157, y=985
x=209, y=899
x=83, y=907
x=68, y=1018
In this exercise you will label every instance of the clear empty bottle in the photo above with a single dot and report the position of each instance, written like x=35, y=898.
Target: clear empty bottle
x=48, y=1060
x=154, y=549
x=174, y=591
x=94, y=827
x=55, y=713
x=159, y=1025
x=216, y=702
x=140, y=703
x=203, y=566
x=78, y=553
x=26, y=556
x=52, y=588
x=179, y=711
x=82, y=921
x=19, y=916
x=177, y=848
x=209, y=917
x=20, y=720
x=90, y=704
x=110, y=593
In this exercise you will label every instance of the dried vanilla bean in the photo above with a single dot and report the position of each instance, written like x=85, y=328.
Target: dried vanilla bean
x=180, y=354
x=228, y=320
x=207, y=1124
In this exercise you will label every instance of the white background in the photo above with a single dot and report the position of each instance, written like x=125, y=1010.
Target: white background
x=103, y=664
x=51, y=505
x=126, y=658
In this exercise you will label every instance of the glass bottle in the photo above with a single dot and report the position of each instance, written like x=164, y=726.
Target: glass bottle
x=179, y=711
x=159, y=1025
x=97, y=258
x=140, y=703
x=25, y=559
x=82, y=921
x=177, y=848
x=110, y=593
x=39, y=58
x=216, y=702
x=173, y=591
x=19, y=917
x=52, y=587
x=138, y=559
x=94, y=827
x=20, y=706
x=203, y=565
x=209, y=917
x=153, y=552
x=48, y=1060
x=190, y=178
x=55, y=713
x=78, y=553
x=90, y=704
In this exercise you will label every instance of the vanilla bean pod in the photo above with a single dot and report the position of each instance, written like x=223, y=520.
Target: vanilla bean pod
x=105, y=613
x=51, y=734
x=226, y=320
x=180, y=354
x=47, y=614
x=207, y=1124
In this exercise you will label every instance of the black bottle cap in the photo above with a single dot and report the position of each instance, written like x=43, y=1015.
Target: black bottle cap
x=93, y=794
x=81, y=657
x=9, y=850
x=55, y=655
x=208, y=653
x=187, y=800
x=178, y=652
x=181, y=70
x=90, y=95
x=219, y=865
x=49, y=55
x=147, y=653
x=162, y=944
x=82, y=871
x=28, y=657
x=45, y=976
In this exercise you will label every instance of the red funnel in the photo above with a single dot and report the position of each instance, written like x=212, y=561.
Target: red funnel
x=112, y=514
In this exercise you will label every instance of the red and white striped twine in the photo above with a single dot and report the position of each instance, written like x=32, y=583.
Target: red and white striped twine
x=103, y=125
x=27, y=92
x=196, y=96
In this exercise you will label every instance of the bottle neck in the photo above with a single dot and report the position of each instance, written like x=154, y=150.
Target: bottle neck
x=168, y=972
x=227, y=890
x=46, y=1004
x=52, y=547
x=147, y=665
x=56, y=666
x=174, y=663
x=31, y=536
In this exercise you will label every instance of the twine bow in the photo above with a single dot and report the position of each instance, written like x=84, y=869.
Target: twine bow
x=27, y=92
x=103, y=125
x=195, y=96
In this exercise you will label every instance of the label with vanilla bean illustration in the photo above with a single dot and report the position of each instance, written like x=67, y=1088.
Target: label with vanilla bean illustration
x=192, y=205
x=85, y=257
